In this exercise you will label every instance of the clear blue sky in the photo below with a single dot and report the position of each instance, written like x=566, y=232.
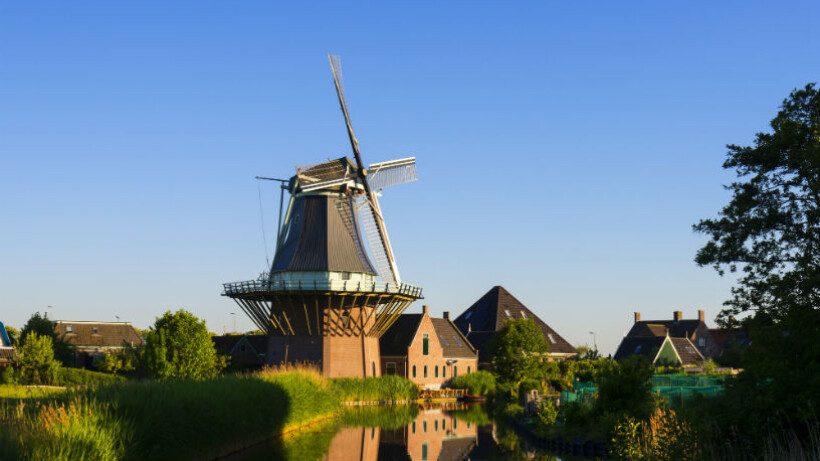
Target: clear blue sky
x=564, y=149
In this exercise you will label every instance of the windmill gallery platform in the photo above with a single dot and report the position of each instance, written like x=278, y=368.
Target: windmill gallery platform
x=323, y=300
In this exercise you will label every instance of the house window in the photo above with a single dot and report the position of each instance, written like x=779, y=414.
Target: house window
x=443, y=424
x=551, y=337
x=455, y=423
x=374, y=368
x=425, y=345
x=69, y=329
x=414, y=371
x=523, y=315
x=435, y=426
x=436, y=371
x=702, y=342
x=424, y=426
x=468, y=369
x=444, y=371
x=443, y=340
x=414, y=427
x=424, y=451
x=467, y=317
x=95, y=331
x=638, y=349
x=345, y=275
x=390, y=368
x=455, y=371
x=425, y=371
x=507, y=311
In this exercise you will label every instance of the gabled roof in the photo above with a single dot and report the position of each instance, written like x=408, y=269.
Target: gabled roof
x=453, y=343
x=684, y=328
x=395, y=341
x=489, y=313
x=650, y=347
x=228, y=343
x=646, y=346
x=97, y=334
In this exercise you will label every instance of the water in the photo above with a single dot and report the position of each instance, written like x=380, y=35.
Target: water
x=404, y=433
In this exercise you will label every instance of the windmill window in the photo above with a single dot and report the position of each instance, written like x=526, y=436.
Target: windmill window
x=425, y=345
x=551, y=337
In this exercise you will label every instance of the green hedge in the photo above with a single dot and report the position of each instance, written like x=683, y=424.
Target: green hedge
x=81, y=377
x=478, y=383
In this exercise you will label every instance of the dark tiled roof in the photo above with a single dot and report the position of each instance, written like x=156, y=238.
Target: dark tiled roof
x=479, y=340
x=496, y=307
x=395, y=341
x=647, y=346
x=98, y=334
x=453, y=343
x=456, y=449
x=687, y=351
x=677, y=328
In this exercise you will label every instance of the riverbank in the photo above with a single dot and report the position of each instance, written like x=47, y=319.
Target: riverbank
x=178, y=419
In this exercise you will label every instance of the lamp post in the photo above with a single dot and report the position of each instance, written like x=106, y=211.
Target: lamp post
x=234, y=321
x=51, y=308
x=594, y=339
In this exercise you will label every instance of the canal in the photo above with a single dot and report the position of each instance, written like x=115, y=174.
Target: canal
x=418, y=433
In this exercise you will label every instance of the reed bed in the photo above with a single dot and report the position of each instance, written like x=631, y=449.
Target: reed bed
x=17, y=392
x=386, y=388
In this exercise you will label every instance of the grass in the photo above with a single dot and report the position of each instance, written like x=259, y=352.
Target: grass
x=17, y=392
x=175, y=419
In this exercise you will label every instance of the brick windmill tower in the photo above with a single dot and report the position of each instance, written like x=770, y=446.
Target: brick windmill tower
x=323, y=301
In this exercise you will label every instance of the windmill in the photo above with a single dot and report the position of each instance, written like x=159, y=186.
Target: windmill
x=323, y=300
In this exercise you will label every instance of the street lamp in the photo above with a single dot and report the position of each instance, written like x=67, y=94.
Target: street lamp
x=234, y=321
x=594, y=339
x=51, y=308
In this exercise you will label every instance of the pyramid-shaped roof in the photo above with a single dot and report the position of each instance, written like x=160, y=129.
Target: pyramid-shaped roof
x=489, y=313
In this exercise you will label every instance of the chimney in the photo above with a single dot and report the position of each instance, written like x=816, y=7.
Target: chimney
x=701, y=315
x=637, y=317
x=425, y=309
x=678, y=315
x=447, y=315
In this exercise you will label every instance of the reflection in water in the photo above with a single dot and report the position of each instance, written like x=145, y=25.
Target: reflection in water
x=403, y=433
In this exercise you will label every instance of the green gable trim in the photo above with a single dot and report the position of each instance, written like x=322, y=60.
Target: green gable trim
x=667, y=355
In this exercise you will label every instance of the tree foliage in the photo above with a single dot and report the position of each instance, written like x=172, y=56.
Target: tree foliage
x=42, y=326
x=518, y=350
x=36, y=360
x=179, y=346
x=770, y=230
x=627, y=389
x=14, y=335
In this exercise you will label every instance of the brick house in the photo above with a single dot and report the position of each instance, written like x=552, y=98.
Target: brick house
x=695, y=330
x=246, y=351
x=6, y=348
x=487, y=316
x=92, y=340
x=433, y=435
x=429, y=351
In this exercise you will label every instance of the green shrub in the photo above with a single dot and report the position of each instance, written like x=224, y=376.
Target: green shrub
x=546, y=413
x=627, y=389
x=478, y=383
x=83, y=377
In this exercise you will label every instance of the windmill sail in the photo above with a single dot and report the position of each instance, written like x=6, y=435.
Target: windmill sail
x=391, y=173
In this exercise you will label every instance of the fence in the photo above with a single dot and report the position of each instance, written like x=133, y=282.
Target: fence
x=676, y=389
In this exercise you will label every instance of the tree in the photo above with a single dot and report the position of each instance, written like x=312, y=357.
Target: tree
x=518, y=351
x=179, y=346
x=36, y=359
x=42, y=326
x=627, y=389
x=14, y=335
x=770, y=230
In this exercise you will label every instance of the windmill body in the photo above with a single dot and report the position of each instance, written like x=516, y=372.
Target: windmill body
x=325, y=300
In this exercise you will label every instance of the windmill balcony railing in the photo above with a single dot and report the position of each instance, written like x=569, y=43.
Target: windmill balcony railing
x=257, y=286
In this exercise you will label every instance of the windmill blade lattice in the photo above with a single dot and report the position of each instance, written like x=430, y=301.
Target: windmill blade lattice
x=391, y=173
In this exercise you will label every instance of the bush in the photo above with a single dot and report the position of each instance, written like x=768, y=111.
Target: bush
x=627, y=389
x=546, y=413
x=83, y=377
x=389, y=387
x=664, y=437
x=478, y=383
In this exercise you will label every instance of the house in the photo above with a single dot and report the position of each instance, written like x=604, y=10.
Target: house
x=434, y=434
x=246, y=351
x=660, y=350
x=693, y=329
x=487, y=316
x=93, y=340
x=6, y=348
x=429, y=351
